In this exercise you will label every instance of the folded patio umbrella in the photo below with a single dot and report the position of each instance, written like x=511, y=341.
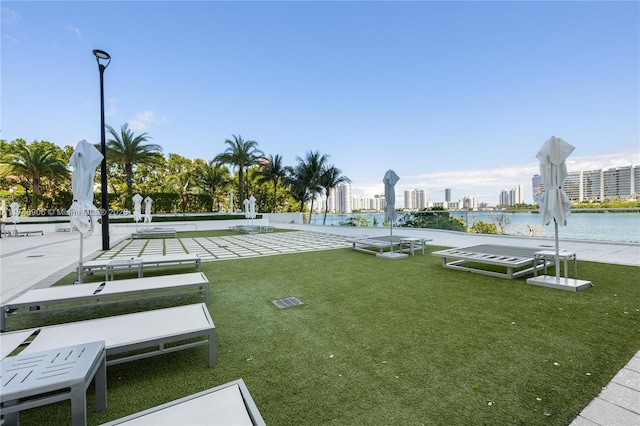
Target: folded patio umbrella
x=390, y=179
x=137, y=209
x=83, y=214
x=147, y=209
x=252, y=207
x=554, y=202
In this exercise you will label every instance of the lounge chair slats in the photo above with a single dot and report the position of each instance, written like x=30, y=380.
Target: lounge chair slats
x=45, y=299
x=130, y=332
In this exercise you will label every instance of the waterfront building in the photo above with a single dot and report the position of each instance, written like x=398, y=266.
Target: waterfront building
x=447, y=195
x=597, y=185
x=538, y=188
x=592, y=185
x=340, y=199
x=618, y=182
x=376, y=204
x=512, y=197
x=468, y=203
x=504, y=198
x=415, y=199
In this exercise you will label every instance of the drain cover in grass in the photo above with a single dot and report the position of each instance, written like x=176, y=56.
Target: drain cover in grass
x=288, y=302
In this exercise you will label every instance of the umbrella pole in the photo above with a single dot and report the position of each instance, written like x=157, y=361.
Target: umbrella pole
x=555, y=224
x=391, y=239
x=80, y=262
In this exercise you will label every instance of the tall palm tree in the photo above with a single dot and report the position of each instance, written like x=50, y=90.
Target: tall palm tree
x=240, y=154
x=309, y=171
x=298, y=188
x=211, y=177
x=34, y=162
x=273, y=171
x=330, y=179
x=129, y=149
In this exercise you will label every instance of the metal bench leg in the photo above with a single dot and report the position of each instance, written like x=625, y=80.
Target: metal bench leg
x=101, y=385
x=78, y=405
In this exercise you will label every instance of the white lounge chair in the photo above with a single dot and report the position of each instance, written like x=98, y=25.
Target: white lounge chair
x=228, y=404
x=138, y=263
x=511, y=258
x=125, y=333
x=41, y=299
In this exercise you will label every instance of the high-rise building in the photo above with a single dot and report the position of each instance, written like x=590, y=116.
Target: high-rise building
x=538, y=188
x=447, y=195
x=504, y=198
x=618, y=182
x=598, y=185
x=516, y=195
x=340, y=199
x=512, y=197
x=415, y=199
x=468, y=202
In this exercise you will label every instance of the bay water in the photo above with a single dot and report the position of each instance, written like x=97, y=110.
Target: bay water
x=603, y=225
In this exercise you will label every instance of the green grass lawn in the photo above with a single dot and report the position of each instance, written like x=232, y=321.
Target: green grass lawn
x=381, y=342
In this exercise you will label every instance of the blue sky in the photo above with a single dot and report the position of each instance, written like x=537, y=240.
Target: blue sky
x=454, y=95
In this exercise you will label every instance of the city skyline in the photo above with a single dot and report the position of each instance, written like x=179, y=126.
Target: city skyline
x=456, y=95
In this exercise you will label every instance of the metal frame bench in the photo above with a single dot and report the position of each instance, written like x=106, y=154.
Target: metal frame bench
x=226, y=404
x=154, y=232
x=51, y=298
x=377, y=245
x=23, y=233
x=156, y=332
x=110, y=265
x=511, y=258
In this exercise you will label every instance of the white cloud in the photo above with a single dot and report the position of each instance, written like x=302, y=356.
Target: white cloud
x=140, y=123
x=486, y=184
x=76, y=32
x=9, y=17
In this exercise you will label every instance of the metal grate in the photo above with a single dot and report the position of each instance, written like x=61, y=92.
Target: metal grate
x=287, y=302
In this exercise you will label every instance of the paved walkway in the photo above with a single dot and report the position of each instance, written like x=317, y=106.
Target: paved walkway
x=40, y=261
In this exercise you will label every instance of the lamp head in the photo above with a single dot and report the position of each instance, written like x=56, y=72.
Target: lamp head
x=101, y=54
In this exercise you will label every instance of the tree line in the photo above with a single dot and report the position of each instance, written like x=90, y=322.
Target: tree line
x=37, y=175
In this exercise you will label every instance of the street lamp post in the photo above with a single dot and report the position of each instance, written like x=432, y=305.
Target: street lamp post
x=102, y=55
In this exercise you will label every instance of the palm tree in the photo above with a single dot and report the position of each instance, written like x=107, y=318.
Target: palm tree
x=309, y=171
x=211, y=177
x=273, y=171
x=331, y=178
x=298, y=188
x=240, y=154
x=34, y=162
x=127, y=149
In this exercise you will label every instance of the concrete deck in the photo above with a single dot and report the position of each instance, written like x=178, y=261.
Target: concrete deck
x=41, y=260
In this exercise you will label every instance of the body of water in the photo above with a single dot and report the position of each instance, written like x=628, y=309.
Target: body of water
x=600, y=226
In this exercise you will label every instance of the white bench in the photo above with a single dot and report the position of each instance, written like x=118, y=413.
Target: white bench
x=154, y=232
x=152, y=331
x=138, y=263
x=228, y=404
x=45, y=299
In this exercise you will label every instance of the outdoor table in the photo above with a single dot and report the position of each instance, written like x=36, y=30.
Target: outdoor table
x=563, y=255
x=411, y=242
x=40, y=378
